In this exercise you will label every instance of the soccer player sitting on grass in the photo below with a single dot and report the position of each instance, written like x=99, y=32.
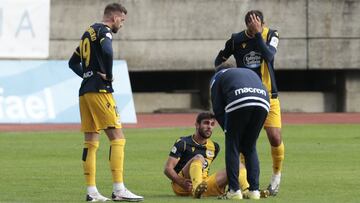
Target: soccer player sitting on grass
x=190, y=159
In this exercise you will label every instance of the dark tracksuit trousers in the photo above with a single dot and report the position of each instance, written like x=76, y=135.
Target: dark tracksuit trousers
x=242, y=131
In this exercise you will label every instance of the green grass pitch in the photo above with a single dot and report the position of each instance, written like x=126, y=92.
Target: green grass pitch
x=322, y=164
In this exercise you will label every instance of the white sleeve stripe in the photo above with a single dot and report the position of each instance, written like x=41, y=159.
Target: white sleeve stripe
x=248, y=104
x=248, y=98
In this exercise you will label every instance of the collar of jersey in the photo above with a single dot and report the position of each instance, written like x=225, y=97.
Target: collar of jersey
x=192, y=137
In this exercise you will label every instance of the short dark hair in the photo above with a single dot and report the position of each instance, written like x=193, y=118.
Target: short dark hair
x=204, y=115
x=257, y=13
x=224, y=65
x=114, y=7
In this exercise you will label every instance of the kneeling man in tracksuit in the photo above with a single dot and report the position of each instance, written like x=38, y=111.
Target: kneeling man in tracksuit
x=240, y=103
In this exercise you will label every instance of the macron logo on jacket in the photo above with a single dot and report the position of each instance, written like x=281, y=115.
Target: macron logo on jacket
x=249, y=89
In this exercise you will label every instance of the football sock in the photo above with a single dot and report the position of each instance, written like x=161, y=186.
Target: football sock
x=89, y=161
x=278, y=157
x=195, y=172
x=116, y=159
x=118, y=186
x=244, y=184
x=92, y=190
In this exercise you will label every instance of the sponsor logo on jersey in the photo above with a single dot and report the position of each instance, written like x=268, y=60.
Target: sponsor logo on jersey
x=252, y=59
x=88, y=74
x=209, y=153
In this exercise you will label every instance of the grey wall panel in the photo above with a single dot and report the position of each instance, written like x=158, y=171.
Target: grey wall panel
x=334, y=18
x=187, y=34
x=291, y=54
x=181, y=19
x=334, y=54
x=181, y=54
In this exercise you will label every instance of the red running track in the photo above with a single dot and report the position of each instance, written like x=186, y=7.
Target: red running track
x=188, y=120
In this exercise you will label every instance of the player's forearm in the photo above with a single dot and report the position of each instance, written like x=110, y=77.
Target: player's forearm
x=268, y=52
x=74, y=64
x=108, y=67
x=173, y=176
x=221, y=120
x=224, y=54
x=219, y=115
x=220, y=58
x=218, y=106
x=107, y=58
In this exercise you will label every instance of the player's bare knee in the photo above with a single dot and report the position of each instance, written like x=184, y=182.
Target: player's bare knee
x=274, y=136
x=221, y=178
x=275, y=141
x=91, y=136
x=114, y=133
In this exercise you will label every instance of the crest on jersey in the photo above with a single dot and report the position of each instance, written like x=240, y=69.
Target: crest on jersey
x=243, y=45
x=192, y=149
x=174, y=149
x=252, y=59
x=209, y=153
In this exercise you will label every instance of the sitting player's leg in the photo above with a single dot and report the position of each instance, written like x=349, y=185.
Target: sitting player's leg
x=194, y=170
x=216, y=184
x=273, y=131
x=218, y=181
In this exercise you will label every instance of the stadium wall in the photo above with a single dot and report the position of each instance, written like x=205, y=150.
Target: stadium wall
x=185, y=35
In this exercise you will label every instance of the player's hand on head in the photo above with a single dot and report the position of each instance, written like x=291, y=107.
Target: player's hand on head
x=255, y=25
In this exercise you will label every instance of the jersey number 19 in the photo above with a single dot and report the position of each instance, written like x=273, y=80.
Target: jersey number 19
x=85, y=51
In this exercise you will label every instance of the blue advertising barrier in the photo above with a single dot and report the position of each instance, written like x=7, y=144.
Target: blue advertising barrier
x=43, y=91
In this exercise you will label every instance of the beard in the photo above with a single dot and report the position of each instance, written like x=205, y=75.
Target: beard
x=114, y=30
x=204, y=134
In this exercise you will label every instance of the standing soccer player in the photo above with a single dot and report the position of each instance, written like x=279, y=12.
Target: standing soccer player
x=93, y=61
x=255, y=49
x=240, y=103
